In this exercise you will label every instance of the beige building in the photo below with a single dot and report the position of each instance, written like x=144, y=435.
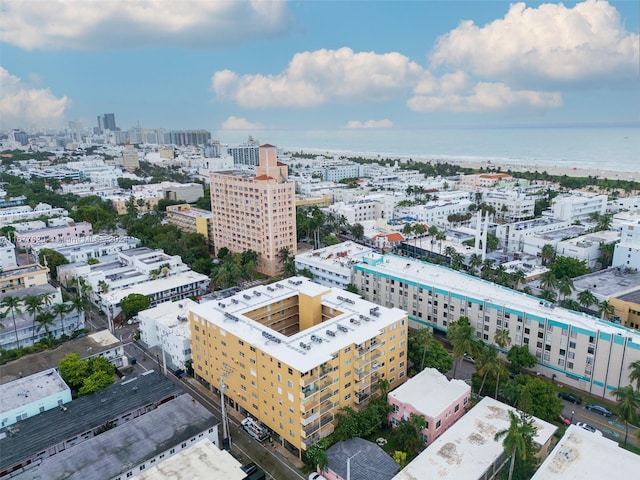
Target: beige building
x=627, y=308
x=292, y=353
x=189, y=219
x=255, y=211
x=130, y=160
x=23, y=277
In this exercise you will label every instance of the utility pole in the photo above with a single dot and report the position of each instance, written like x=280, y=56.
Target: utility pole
x=226, y=434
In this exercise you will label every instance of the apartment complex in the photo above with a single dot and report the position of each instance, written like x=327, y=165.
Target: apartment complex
x=578, y=350
x=189, y=219
x=23, y=277
x=255, y=211
x=292, y=353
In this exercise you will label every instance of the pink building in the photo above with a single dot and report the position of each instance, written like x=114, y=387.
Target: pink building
x=67, y=233
x=255, y=211
x=429, y=394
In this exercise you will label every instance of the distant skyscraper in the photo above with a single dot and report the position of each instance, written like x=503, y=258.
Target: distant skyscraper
x=255, y=211
x=246, y=154
x=107, y=122
x=19, y=137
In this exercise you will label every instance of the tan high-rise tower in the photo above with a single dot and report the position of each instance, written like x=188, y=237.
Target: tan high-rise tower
x=255, y=212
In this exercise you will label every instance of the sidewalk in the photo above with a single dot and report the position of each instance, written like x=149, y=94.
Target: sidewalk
x=277, y=449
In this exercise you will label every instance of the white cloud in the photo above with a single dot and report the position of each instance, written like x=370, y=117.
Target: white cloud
x=22, y=105
x=238, y=123
x=547, y=45
x=314, y=78
x=355, y=124
x=94, y=24
x=484, y=97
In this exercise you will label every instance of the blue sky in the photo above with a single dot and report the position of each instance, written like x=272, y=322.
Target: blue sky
x=288, y=69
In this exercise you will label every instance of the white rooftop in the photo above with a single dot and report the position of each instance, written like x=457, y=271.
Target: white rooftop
x=454, y=281
x=430, y=392
x=168, y=315
x=28, y=390
x=104, y=338
x=468, y=448
x=581, y=454
x=359, y=321
x=155, y=286
x=201, y=460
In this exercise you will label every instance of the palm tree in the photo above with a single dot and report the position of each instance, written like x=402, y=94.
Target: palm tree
x=547, y=253
x=433, y=233
x=605, y=309
x=440, y=237
x=45, y=320
x=80, y=305
x=419, y=230
x=517, y=437
x=34, y=306
x=502, y=338
x=517, y=278
x=47, y=299
x=456, y=261
x=59, y=310
x=628, y=406
x=548, y=281
x=487, y=363
x=12, y=304
x=586, y=298
x=475, y=261
x=634, y=376
x=565, y=286
x=460, y=334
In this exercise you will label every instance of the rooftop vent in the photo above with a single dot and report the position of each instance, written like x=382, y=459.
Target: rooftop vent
x=270, y=336
x=355, y=321
x=331, y=333
x=342, y=328
x=246, y=297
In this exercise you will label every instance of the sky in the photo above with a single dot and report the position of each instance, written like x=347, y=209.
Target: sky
x=288, y=68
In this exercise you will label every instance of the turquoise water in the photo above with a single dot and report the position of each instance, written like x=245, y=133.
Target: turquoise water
x=615, y=149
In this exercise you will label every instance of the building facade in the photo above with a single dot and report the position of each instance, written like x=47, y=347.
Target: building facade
x=72, y=230
x=255, y=212
x=7, y=254
x=189, y=219
x=575, y=349
x=294, y=352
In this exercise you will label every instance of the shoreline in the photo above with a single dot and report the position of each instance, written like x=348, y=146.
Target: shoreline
x=492, y=163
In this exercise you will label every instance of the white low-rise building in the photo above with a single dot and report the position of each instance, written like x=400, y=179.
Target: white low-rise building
x=513, y=236
x=627, y=252
x=10, y=215
x=32, y=395
x=581, y=454
x=577, y=207
x=469, y=450
x=167, y=326
x=331, y=266
x=69, y=231
x=510, y=205
x=7, y=254
x=587, y=248
x=100, y=247
x=435, y=212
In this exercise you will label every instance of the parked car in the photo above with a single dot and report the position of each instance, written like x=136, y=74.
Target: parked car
x=588, y=428
x=599, y=409
x=316, y=476
x=468, y=358
x=565, y=420
x=570, y=397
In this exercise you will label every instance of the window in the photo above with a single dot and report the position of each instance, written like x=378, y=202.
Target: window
x=438, y=424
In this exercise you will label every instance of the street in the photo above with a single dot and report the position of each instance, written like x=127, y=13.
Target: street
x=611, y=427
x=276, y=462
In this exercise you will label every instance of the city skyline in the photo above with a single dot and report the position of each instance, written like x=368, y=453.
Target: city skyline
x=284, y=71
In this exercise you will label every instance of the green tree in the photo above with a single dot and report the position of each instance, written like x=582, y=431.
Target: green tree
x=133, y=303
x=606, y=309
x=33, y=306
x=628, y=406
x=518, y=442
x=73, y=370
x=520, y=357
x=565, y=286
x=460, y=334
x=357, y=230
x=59, y=310
x=568, y=267
x=45, y=320
x=488, y=363
x=502, y=338
x=586, y=298
x=317, y=456
x=400, y=458
x=548, y=281
x=547, y=253
x=408, y=435
x=52, y=259
x=94, y=382
x=350, y=287
x=475, y=261
x=542, y=399
x=634, y=376
x=12, y=304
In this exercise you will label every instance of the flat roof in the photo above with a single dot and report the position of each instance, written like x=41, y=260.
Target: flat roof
x=127, y=445
x=430, y=392
x=22, y=270
x=199, y=461
x=608, y=282
x=31, y=389
x=581, y=454
x=155, y=286
x=86, y=346
x=168, y=314
x=631, y=297
x=429, y=274
x=49, y=428
x=360, y=320
x=469, y=448
x=339, y=255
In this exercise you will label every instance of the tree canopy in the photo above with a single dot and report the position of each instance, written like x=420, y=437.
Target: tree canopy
x=133, y=303
x=86, y=376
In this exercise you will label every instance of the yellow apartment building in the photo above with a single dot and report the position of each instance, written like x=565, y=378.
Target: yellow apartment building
x=23, y=277
x=292, y=353
x=255, y=211
x=627, y=308
x=191, y=220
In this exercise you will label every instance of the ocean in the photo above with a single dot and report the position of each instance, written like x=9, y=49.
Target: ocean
x=616, y=149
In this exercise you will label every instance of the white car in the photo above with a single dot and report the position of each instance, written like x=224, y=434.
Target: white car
x=588, y=428
x=316, y=476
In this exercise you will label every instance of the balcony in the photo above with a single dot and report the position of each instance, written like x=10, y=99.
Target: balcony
x=326, y=396
x=308, y=380
x=310, y=429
